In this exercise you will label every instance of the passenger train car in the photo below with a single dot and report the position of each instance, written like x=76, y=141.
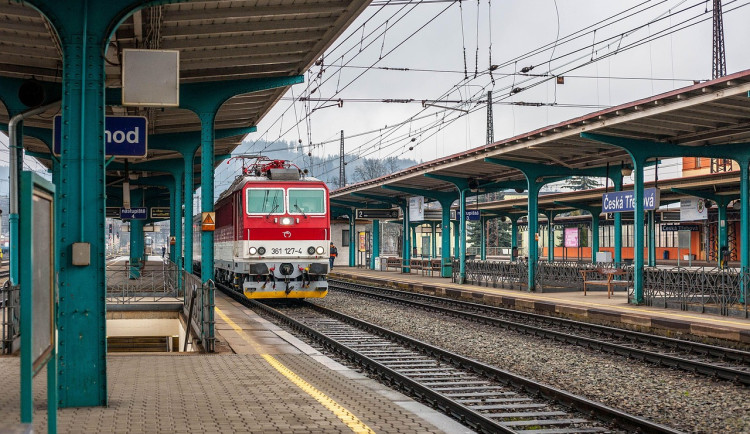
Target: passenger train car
x=272, y=232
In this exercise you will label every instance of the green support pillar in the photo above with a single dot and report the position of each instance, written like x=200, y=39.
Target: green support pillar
x=406, y=254
x=550, y=214
x=136, y=248
x=513, y=238
x=446, y=199
x=375, y=242
x=483, y=238
x=172, y=218
x=618, y=225
x=433, y=240
x=413, y=240
x=456, y=242
x=723, y=232
x=352, y=240
x=84, y=33
x=744, y=228
x=651, y=225
x=187, y=170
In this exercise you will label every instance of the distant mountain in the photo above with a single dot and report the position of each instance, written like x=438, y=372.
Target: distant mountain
x=326, y=169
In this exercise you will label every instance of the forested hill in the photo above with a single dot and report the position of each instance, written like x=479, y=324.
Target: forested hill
x=326, y=168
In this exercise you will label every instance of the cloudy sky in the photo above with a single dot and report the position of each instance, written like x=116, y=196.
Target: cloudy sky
x=610, y=52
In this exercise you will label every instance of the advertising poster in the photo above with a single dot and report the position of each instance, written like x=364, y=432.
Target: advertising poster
x=571, y=237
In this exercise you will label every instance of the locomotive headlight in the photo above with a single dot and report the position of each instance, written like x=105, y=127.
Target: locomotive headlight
x=287, y=221
x=253, y=250
x=311, y=250
x=320, y=250
x=261, y=250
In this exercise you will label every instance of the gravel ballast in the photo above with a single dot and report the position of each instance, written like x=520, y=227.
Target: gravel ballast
x=679, y=399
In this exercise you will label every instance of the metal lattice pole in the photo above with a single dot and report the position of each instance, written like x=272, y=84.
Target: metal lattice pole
x=490, y=123
x=719, y=59
x=342, y=170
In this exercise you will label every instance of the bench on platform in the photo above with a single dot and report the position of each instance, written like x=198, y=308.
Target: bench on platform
x=609, y=273
x=391, y=262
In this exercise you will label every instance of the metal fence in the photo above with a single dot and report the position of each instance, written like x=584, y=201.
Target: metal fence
x=129, y=283
x=10, y=315
x=502, y=274
x=703, y=289
x=709, y=290
x=199, y=309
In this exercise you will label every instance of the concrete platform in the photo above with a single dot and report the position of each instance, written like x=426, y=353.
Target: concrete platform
x=262, y=380
x=594, y=307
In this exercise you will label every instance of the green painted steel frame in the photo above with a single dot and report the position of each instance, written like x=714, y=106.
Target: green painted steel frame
x=29, y=182
x=406, y=248
x=462, y=185
x=445, y=199
x=595, y=212
x=640, y=151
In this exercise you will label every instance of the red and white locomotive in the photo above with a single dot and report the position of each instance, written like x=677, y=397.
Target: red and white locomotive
x=273, y=232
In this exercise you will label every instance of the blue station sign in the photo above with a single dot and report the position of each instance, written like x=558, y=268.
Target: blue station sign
x=133, y=213
x=124, y=136
x=472, y=215
x=623, y=201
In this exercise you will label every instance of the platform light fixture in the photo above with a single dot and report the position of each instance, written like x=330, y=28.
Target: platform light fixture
x=626, y=170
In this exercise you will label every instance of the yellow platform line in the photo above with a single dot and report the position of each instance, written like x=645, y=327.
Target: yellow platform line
x=342, y=413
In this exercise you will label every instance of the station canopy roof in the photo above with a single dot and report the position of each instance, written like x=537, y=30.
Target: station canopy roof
x=705, y=114
x=217, y=40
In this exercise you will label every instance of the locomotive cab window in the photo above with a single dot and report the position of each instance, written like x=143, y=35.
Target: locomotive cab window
x=265, y=201
x=307, y=201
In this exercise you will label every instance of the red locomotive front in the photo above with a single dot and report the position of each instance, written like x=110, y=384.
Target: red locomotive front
x=273, y=232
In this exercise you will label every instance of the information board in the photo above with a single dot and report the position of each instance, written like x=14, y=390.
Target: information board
x=571, y=237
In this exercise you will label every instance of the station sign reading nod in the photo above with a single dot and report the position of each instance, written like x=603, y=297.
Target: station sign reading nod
x=124, y=136
x=623, y=201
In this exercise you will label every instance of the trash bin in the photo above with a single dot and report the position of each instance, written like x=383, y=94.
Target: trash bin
x=514, y=253
x=665, y=255
x=376, y=264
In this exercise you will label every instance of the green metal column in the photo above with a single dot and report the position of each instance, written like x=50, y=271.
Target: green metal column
x=445, y=242
x=136, y=248
x=513, y=237
x=13, y=218
x=188, y=158
x=375, y=242
x=414, y=243
x=462, y=235
x=618, y=226
x=638, y=231
x=84, y=31
x=433, y=240
x=550, y=236
x=172, y=217
x=456, y=252
x=483, y=238
x=744, y=228
x=207, y=199
x=652, y=239
x=723, y=233
x=406, y=265
x=533, y=218
x=352, y=239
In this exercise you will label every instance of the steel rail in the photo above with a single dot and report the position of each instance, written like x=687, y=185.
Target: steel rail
x=706, y=368
x=472, y=418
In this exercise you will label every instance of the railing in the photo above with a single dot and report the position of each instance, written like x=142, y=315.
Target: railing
x=708, y=290
x=202, y=316
x=128, y=283
x=503, y=274
x=10, y=315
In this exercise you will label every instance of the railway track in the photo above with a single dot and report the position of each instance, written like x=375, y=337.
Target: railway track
x=720, y=362
x=482, y=397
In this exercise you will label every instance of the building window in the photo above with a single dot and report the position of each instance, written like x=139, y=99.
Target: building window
x=345, y=238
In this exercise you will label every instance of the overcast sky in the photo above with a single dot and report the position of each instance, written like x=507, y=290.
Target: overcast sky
x=517, y=27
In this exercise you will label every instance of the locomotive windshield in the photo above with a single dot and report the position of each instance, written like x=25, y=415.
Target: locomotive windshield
x=307, y=201
x=265, y=201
